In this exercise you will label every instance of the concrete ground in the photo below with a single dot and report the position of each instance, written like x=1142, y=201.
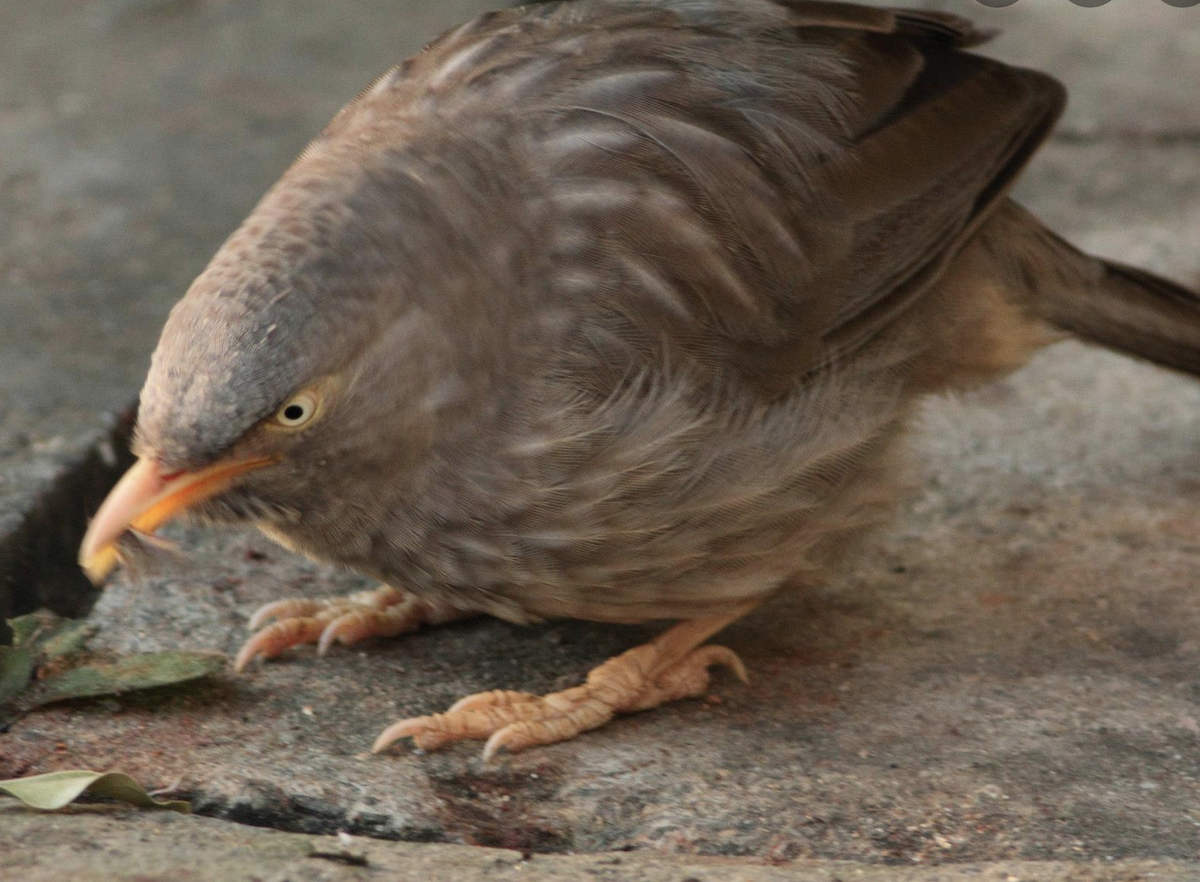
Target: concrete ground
x=1007, y=674
x=168, y=846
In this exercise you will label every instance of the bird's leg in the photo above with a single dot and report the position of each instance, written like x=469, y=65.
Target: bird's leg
x=668, y=668
x=381, y=612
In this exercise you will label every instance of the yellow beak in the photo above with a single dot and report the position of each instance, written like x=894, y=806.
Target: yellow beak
x=144, y=499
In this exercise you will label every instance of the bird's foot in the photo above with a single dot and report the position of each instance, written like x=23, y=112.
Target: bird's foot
x=644, y=677
x=381, y=612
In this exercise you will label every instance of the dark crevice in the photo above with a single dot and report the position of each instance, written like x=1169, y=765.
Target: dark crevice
x=38, y=566
x=271, y=808
x=274, y=810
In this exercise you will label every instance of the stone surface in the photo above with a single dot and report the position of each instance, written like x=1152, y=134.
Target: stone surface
x=107, y=844
x=1009, y=672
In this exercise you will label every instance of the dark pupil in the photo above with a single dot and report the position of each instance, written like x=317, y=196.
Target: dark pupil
x=293, y=412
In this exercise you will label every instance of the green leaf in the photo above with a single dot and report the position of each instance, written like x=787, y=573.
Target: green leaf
x=45, y=635
x=16, y=670
x=143, y=671
x=65, y=638
x=57, y=789
x=26, y=628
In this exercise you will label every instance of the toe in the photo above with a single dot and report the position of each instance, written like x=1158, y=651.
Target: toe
x=435, y=730
x=554, y=725
x=495, y=698
x=277, y=637
x=380, y=612
x=283, y=609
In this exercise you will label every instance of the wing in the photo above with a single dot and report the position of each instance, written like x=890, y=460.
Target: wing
x=762, y=186
x=776, y=184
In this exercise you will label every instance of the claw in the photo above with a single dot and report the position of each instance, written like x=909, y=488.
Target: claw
x=346, y=628
x=497, y=743
x=418, y=728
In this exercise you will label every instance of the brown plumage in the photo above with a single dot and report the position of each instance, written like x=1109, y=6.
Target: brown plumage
x=616, y=310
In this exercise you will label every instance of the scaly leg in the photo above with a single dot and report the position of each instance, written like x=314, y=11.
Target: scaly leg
x=380, y=612
x=668, y=668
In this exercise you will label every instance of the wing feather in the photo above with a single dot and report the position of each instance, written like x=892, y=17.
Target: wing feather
x=759, y=186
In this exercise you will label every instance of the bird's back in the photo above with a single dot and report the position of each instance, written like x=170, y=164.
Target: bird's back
x=729, y=200
x=759, y=186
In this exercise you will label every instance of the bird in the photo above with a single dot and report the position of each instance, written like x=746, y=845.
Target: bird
x=615, y=310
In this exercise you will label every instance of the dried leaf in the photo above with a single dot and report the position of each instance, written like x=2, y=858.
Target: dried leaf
x=143, y=671
x=57, y=789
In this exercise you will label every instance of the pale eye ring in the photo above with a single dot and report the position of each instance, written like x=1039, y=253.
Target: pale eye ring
x=297, y=411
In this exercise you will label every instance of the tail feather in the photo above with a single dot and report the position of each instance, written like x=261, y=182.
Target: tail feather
x=1119, y=306
x=1136, y=312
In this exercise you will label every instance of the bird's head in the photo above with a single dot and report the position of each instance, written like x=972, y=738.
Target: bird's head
x=333, y=339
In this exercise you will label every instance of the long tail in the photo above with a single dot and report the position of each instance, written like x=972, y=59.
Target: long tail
x=1136, y=312
x=1123, y=307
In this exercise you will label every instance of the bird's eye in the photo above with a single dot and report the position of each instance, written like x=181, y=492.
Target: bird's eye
x=297, y=411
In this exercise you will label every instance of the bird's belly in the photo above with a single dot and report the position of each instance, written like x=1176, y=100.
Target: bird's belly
x=661, y=507
x=652, y=558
